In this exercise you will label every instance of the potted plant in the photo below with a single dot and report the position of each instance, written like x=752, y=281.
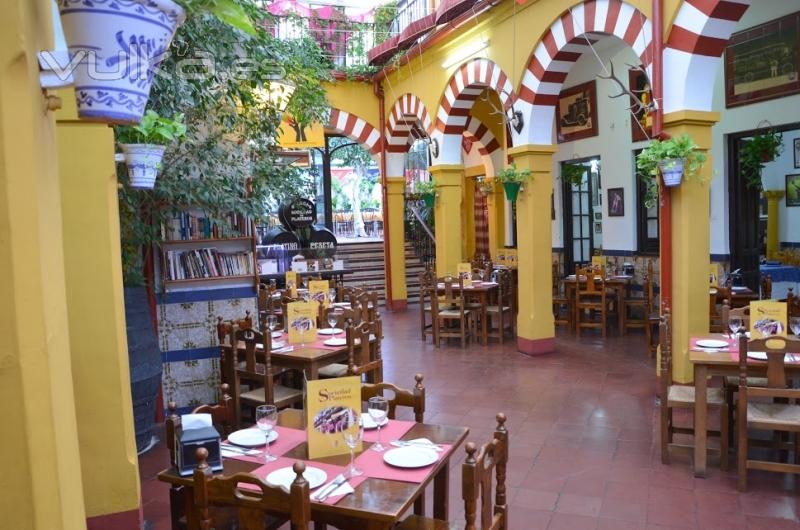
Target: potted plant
x=756, y=152
x=143, y=146
x=485, y=186
x=427, y=190
x=672, y=158
x=573, y=173
x=512, y=179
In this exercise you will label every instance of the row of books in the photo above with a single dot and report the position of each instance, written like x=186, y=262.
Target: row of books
x=188, y=226
x=207, y=263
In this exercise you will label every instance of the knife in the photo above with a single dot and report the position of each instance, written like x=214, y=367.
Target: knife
x=325, y=492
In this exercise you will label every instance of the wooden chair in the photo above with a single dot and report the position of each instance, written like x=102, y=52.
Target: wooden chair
x=590, y=298
x=718, y=297
x=260, y=377
x=348, y=320
x=770, y=416
x=427, y=284
x=766, y=287
x=414, y=399
x=502, y=309
x=364, y=352
x=482, y=510
x=642, y=304
x=449, y=309
x=562, y=308
x=257, y=504
x=681, y=396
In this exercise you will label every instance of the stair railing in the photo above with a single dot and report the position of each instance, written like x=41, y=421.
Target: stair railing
x=419, y=233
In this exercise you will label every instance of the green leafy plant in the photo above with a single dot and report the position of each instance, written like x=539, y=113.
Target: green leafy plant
x=153, y=129
x=513, y=175
x=485, y=186
x=427, y=187
x=230, y=12
x=755, y=152
x=573, y=173
x=677, y=147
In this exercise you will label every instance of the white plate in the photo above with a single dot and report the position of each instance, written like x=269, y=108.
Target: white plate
x=277, y=334
x=712, y=343
x=410, y=457
x=369, y=423
x=335, y=342
x=738, y=289
x=341, y=304
x=285, y=476
x=251, y=437
x=329, y=331
x=275, y=345
x=762, y=356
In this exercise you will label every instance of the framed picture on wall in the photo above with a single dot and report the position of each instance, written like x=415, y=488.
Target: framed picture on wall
x=642, y=125
x=576, y=114
x=763, y=62
x=797, y=152
x=793, y=190
x=616, y=202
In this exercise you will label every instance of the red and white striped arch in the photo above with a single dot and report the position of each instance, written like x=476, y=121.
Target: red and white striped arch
x=407, y=114
x=695, y=44
x=459, y=96
x=357, y=129
x=561, y=47
x=480, y=134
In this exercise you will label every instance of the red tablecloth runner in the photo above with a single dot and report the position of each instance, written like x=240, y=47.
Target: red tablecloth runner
x=372, y=464
x=394, y=430
x=287, y=440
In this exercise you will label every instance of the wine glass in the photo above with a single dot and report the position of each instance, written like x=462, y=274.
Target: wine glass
x=735, y=323
x=378, y=407
x=333, y=319
x=272, y=323
x=303, y=326
x=481, y=274
x=266, y=417
x=352, y=439
x=332, y=295
x=794, y=325
x=306, y=296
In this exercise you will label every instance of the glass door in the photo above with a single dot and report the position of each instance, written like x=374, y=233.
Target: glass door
x=582, y=231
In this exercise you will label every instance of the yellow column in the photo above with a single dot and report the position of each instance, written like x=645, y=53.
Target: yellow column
x=448, y=217
x=40, y=483
x=773, y=209
x=690, y=242
x=535, y=329
x=468, y=214
x=97, y=323
x=395, y=189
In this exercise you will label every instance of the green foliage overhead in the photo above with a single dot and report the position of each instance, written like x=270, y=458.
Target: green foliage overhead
x=512, y=174
x=755, y=152
x=677, y=147
x=228, y=11
x=427, y=187
x=573, y=173
x=153, y=129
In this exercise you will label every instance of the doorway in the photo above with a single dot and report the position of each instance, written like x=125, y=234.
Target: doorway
x=582, y=217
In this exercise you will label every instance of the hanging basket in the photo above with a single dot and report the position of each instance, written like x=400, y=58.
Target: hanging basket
x=429, y=199
x=671, y=171
x=143, y=161
x=512, y=190
x=119, y=43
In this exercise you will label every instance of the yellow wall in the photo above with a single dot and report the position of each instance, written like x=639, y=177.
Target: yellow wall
x=355, y=97
x=98, y=343
x=41, y=468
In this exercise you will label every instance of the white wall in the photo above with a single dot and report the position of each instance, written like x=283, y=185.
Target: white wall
x=776, y=111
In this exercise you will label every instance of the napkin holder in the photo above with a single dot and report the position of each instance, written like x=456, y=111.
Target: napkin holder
x=189, y=441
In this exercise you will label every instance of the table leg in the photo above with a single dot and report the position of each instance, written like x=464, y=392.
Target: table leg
x=191, y=514
x=620, y=305
x=484, y=317
x=419, y=505
x=700, y=419
x=441, y=493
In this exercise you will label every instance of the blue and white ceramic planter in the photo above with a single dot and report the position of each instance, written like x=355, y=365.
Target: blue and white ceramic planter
x=671, y=171
x=117, y=45
x=143, y=161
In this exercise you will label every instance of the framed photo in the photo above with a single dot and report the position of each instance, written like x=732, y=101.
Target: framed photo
x=797, y=152
x=598, y=216
x=793, y=190
x=616, y=202
x=642, y=126
x=598, y=228
x=576, y=114
x=763, y=62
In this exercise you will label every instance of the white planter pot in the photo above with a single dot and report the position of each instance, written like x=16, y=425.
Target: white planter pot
x=119, y=43
x=671, y=171
x=143, y=161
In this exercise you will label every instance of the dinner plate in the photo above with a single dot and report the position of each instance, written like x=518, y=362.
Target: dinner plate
x=275, y=345
x=762, y=356
x=329, y=331
x=410, y=457
x=251, y=437
x=341, y=304
x=369, y=423
x=335, y=342
x=738, y=289
x=712, y=343
x=277, y=334
x=284, y=477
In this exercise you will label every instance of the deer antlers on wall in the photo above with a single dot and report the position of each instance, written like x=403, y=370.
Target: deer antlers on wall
x=638, y=105
x=515, y=118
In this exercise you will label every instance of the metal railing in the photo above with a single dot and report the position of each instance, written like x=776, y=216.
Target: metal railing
x=408, y=12
x=419, y=234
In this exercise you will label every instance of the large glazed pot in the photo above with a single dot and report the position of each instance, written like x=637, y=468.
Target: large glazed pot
x=117, y=45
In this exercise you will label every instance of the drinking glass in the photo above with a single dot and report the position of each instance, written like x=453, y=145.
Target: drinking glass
x=735, y=323
x=266, y=417
x=332, y=295
x=352, y=439
x=272, y=323
x=305, y=325
x=378, y=407
x=333, y=318
x=794, y=325
x=481, y=274
x=306, y=296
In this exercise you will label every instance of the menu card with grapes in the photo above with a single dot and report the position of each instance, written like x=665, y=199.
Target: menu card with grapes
x=465, y=273
x=713, y=275
x=333, y=407
x=318, y=291
x=302, y=318
x=767, y=318
x=291, y=283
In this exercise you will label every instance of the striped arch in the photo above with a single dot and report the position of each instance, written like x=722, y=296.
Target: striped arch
x=407, y=115
x=357, y=129
x=464, y=87
x=563, y=44
x=696, y=41
x=480, y=134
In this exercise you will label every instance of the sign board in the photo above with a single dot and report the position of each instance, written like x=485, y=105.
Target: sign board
x=291, y=283
x=465, y=273
x=713, y=275
x=292, y=136
x=302, y=319
x=318, y=291
x=332, y=407
x=767, y=319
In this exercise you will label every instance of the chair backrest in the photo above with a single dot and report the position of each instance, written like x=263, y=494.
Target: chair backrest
x=223, y=416
x=592, y=285
x=477, y=478
x=740, y=312
x=792, y=304
x=766, y=287
x=252, y=339
x=415, y=399
x=776, y=349
x=363, y=357
x=223, y=330
x=505, y=288
x=665, y=343
x=251, y=496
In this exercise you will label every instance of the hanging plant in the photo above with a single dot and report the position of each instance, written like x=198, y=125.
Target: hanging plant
x=143, y=146
x=755, y=153
x=485, y=186
x=427, y=191
x=573, y=174
x=672, y=158
x=512, y=179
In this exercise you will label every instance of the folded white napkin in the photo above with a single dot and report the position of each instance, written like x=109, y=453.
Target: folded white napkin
x=232, y=454
x=344, y=489
x=195, y=421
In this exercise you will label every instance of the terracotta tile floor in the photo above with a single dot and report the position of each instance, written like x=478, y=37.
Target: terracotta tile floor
x=584, y=438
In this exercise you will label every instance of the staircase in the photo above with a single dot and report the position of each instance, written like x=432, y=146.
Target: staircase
x=366, y=260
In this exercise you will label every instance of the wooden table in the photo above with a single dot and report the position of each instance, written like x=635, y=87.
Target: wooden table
x=742, y=298
x=617, y=284
x=376, y=504
x=717, y=364
x=481, y=291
